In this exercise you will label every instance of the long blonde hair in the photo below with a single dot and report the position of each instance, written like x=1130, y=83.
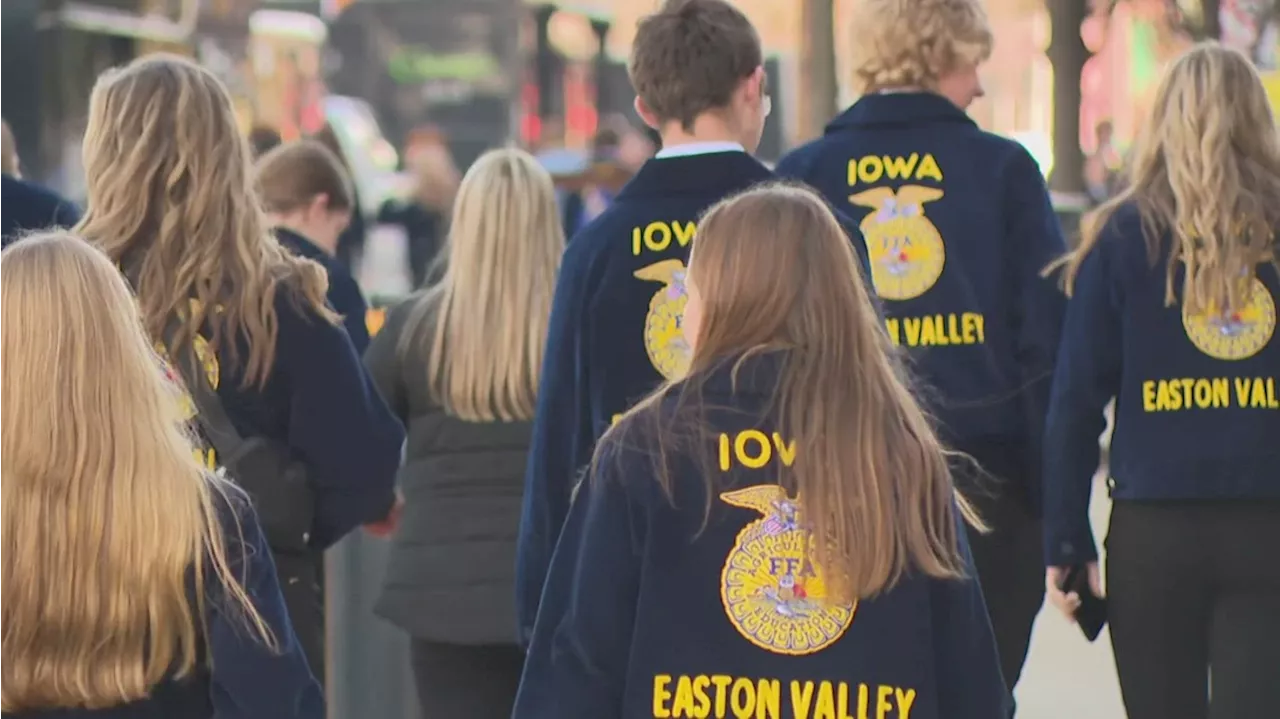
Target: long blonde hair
x=776, y=273
x=171, y=199
x=484, y=324
x=1205, y=172
x=107, y=513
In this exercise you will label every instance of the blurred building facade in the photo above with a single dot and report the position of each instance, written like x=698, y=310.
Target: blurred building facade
x=540, y=71
x=1018, y=79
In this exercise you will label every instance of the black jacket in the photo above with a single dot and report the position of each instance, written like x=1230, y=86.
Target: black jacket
x=451, y=573
x=27, y=207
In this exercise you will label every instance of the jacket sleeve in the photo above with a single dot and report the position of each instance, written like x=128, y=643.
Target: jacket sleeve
x=66, y=214
x=249, y=679
x=347, y=300
x=1033, y=238
x=970, y=683
x=577, y=663
x=861, y=254
x=339, y=426
x=562, y=436
x=1085, y=380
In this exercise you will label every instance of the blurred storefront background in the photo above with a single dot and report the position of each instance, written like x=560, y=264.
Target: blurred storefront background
x=547, y=74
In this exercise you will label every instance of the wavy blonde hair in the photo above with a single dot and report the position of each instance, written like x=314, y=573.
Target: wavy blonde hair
x=107, y=514
x=1205, y=177
x=776, y=273
x=483, y=326
x=912, y=43
x=171, y=200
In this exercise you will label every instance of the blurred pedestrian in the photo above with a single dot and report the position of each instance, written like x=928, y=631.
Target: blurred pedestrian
x=1102, y=167
x=1173, y=313
x=351, y=241
x=424, y=215
x=24, y=205
x=282, y=397
x=136, y=582
x=459, y=363
x=958, y=224
x=603, y=179
x=309, y=202
x=634, y=149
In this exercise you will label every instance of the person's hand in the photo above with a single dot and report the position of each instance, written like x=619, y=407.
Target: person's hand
x=386, y=526
x=1069, y=602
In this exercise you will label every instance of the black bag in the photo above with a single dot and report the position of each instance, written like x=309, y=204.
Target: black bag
x=263, y=468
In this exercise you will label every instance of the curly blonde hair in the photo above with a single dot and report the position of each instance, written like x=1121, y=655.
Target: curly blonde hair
x=912, y=43
x=1205, y=177
x=171, y=200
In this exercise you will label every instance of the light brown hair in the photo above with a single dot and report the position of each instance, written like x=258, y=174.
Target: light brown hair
x=292, y=175
x=111, y=533
x=171, y=199
x=912, y=43
x=690, y=57
x=484, y=325
x=776, y=274
x=1205, y=176
x=328, y=136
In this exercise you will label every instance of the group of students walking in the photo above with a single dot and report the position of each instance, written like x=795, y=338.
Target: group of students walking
x=734, y=505
x=814, y=441
x=137, y=581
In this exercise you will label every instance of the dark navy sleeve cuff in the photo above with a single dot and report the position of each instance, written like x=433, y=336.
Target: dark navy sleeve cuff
x=1068, y=552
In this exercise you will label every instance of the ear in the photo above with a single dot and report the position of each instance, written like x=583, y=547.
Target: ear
x=320, y=203
x=646, y=115
x=753, y=86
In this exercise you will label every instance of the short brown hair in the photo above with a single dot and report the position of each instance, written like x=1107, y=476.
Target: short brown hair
x=690, y=56
x=291, y=175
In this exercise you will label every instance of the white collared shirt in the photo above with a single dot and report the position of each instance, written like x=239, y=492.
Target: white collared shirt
x=699, y=148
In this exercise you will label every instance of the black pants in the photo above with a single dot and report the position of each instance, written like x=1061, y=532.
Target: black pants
x=1194, y=590
x=302, y=585
x=1011, y=571
x=456, y=681
x=1009, y=558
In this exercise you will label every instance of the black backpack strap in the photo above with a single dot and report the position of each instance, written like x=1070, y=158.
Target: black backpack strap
x=210, y=414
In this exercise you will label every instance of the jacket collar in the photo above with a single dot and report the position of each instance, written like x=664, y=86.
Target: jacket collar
x=899, y=109
x=712, y=175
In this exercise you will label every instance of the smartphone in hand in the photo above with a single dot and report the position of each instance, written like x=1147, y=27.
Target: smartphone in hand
x=1091, y=615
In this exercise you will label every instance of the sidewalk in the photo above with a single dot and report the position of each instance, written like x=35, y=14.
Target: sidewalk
x=1067, y=677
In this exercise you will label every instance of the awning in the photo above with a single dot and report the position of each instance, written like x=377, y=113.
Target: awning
x=153, y=27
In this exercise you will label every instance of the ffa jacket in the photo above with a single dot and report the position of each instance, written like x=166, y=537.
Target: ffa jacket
x=1197, y=411
x=958, y=225
x=656, y=607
